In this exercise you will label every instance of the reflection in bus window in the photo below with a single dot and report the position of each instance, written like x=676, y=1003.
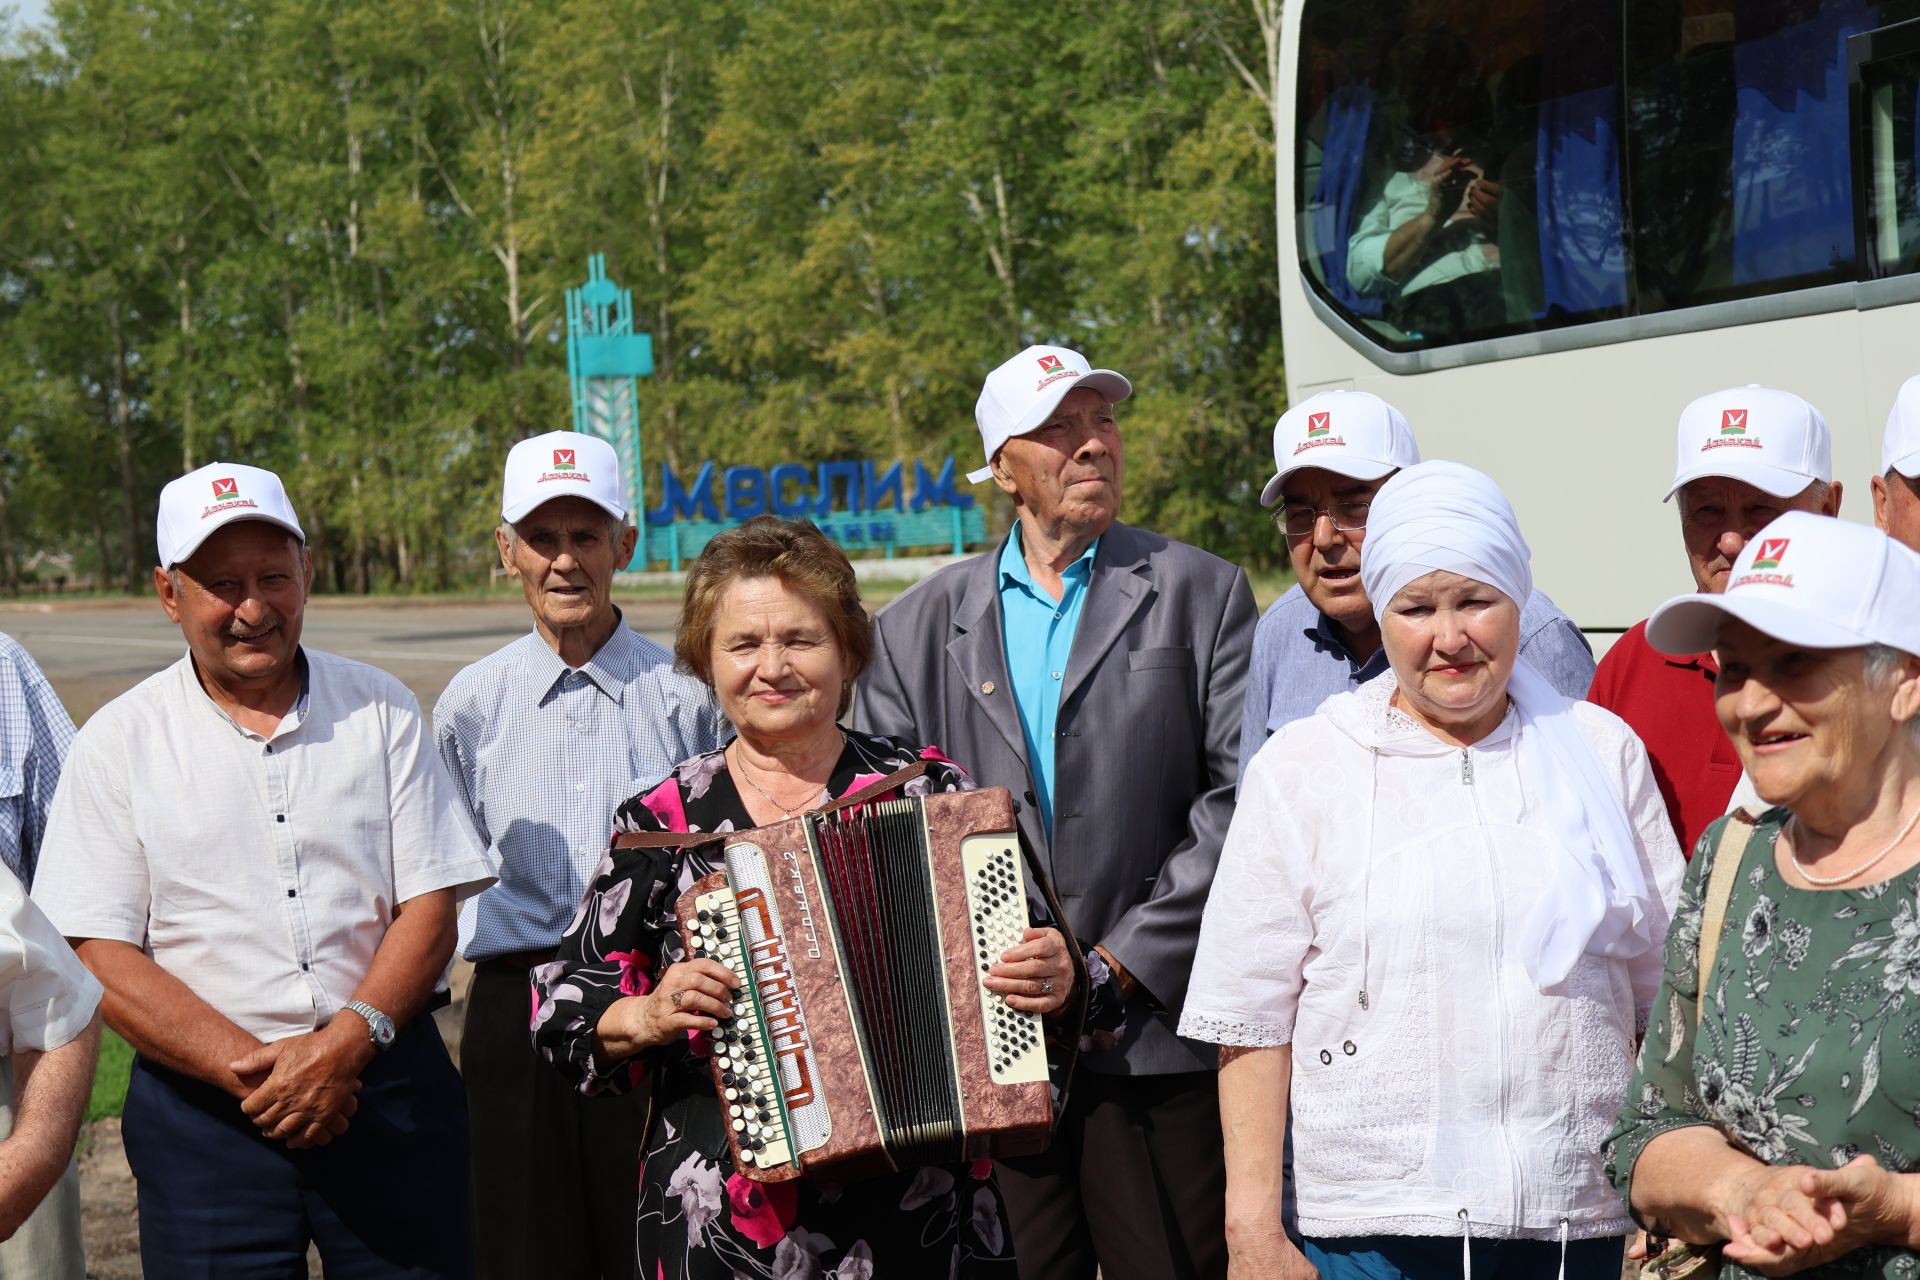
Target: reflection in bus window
x=1427, y=245
x=1466, y=177
x=1739, y=155
x=1465, y=171
x=1890, y=101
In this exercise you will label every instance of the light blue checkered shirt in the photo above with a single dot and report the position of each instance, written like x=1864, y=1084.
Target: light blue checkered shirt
x=541, y=753
x=35, y=732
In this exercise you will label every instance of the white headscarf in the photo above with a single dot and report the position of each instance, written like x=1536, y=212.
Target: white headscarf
x=1443, y=516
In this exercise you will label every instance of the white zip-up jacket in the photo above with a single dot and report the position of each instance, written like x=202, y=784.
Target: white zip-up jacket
x=1367, y=855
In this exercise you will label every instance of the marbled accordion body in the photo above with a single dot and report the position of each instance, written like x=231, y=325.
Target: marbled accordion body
x=862, y=1038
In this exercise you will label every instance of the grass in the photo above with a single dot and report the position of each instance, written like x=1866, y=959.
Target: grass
x=110, y=1081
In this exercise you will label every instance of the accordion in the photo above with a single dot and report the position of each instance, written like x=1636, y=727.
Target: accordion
x=862, y=1039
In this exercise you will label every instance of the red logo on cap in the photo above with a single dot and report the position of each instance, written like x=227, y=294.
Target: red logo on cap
x=228, y=488
x=1733, y=422
x=1049, y=364
x=1770, y=553
x=563, y=460
x=1318, y=424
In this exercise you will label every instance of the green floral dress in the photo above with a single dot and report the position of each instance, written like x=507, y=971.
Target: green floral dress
x=1809, y=1050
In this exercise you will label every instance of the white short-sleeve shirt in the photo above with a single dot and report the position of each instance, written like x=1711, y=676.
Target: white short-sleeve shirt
x=262, y=872
x=47, y=997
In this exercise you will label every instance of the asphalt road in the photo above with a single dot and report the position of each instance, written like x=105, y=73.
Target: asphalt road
x=93, y=651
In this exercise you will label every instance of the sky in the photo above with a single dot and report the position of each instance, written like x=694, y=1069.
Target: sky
x=27, y=12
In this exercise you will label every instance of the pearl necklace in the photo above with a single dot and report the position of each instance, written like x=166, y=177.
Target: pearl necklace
x=785, y=812
x=1868, y=865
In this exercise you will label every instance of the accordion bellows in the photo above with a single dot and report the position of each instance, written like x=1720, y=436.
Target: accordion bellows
x=862, y=1039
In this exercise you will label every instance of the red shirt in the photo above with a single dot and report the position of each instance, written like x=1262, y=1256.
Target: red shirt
x=1669, y=703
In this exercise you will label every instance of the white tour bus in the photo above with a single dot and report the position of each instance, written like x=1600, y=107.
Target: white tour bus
x=1540, y=227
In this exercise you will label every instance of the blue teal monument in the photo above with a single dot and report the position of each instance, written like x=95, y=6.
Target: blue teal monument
x=605, y=361
x=860, y=504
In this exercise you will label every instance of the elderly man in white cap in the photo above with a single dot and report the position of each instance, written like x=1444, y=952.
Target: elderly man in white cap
x=1745, y=456
x=1331, y=453
x=259, y=856
x=1896, y=490
x=543, y=738
x=1095, y=670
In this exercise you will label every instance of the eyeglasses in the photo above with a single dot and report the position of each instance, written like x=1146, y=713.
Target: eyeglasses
x=1298, y=520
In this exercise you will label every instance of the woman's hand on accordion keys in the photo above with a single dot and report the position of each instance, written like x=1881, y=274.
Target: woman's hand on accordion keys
x=1036, y=975
x=693, y=995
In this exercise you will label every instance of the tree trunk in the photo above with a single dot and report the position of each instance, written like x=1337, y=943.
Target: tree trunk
x=129, y=472
x=9, y=558
x=664, y=354
x=314, y=519
x=183, y=285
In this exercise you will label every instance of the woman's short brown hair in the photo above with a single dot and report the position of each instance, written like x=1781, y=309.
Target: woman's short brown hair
x=805, y=561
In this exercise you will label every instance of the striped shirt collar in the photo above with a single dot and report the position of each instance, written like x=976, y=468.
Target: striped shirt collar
x=610, y=668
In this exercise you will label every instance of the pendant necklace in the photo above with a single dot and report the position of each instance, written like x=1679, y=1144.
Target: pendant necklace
x=766, y=795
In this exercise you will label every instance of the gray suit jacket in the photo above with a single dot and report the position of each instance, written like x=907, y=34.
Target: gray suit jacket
x=1144, y=761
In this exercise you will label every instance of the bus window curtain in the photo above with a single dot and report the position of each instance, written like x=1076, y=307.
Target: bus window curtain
x=1792, y=187
x=1335, y=209
x=1583, y=253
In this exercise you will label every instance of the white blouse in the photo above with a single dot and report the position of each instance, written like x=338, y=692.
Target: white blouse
x=1366, y=855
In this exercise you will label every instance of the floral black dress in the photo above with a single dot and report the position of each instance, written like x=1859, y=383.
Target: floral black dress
x=1808, y=1050
x=698, y=1218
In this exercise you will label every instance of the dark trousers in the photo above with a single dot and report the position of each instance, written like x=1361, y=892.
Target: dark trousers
x=556, y=1175
x=386, y=1199
x=1134, y=1183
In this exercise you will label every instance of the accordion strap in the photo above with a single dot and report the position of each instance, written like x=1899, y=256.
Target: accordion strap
x=694, y=839
x=874, y=790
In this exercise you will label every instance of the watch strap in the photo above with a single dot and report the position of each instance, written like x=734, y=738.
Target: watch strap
x=376, y=1022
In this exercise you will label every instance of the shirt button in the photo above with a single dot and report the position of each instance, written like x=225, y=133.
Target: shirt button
x=579, y=786
x=290, y=893
x=305, y=967
x=279, y=817
x=1056, y=675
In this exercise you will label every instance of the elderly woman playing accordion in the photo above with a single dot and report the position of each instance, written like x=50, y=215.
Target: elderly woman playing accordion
x=1436, y=930
x=1773, y=1123
x=773, y=623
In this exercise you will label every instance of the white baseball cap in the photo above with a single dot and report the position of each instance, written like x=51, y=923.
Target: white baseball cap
x=1022, y=394
x=1810, y=580
x=218, y=494
x=1900, y=449
x=562, y=464
x=1772, y=440
x=1351, y=433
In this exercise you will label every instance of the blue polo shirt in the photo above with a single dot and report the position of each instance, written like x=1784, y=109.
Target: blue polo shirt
x=1038, y=632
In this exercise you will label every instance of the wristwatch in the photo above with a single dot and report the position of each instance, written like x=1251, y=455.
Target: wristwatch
x=379, y=1025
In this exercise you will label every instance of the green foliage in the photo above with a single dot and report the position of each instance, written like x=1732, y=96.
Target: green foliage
x=332, y=237
x=110, y=1078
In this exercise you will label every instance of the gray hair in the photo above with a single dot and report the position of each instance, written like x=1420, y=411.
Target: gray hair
x=1815, y=493
x=1880, y=662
